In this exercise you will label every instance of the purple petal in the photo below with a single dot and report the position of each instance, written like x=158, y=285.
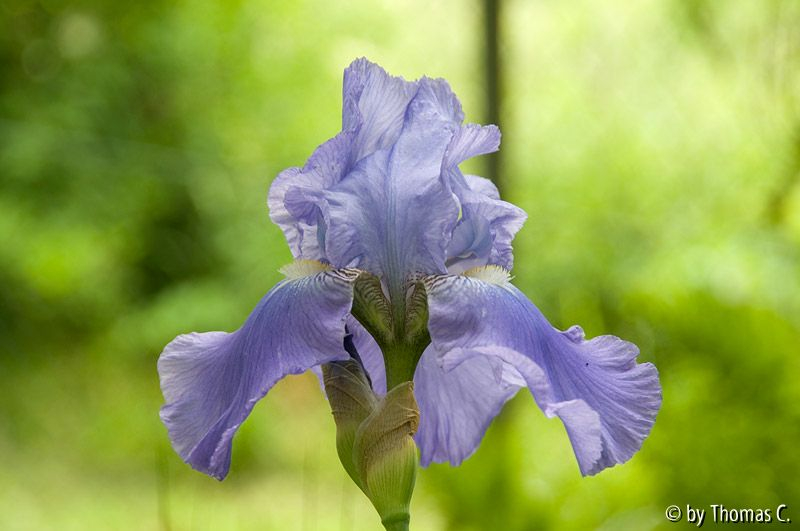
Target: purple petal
x=294, y=196
x=457, y=406
x=470, y=141
x=212, y=380
x=374, y=104
x=607, y=401
x=384, y=194
x=371, y=355
x=394, y=213
x=482, y=186
x=483, y=234
x=487, y=226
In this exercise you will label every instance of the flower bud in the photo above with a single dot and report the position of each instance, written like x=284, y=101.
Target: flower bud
x=386, y=456
x=352, y=401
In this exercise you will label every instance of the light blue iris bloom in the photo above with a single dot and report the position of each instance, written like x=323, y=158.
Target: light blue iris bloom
x=381, y=213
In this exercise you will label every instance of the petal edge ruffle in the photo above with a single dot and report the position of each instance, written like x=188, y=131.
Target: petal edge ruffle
x=607, y=401
x=211, y=381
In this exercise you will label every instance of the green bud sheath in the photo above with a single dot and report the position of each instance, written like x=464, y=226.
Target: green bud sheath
x=352, y=401
x=386, y=456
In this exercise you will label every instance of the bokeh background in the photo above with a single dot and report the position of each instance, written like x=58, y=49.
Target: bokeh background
x=654, y=144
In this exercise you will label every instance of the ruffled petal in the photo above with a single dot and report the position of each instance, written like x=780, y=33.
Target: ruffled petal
x=457, y=406
x=374, y=105
x=482, y=186
x=294, y=197
x=212, y=380
x=373, y=111
x=394, y=214
x=487, y=226
x=385, y=194
x=470, y=141
x=607, y=402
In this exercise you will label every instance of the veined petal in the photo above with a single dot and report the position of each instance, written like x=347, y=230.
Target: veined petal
x=394, y=213
x=368, y=352
x=371, y=355
x=482, y=186
x=457, y=406
x=374, y=105
x=487, y=226
x=385, y=194
x=470, y=141
x=212, y=380
x=607, y=401
x=294, y=196
x=373, y=111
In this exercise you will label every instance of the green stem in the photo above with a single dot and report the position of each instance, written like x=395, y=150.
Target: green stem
x=396, y=522
x=401, y=353
x=401, y=362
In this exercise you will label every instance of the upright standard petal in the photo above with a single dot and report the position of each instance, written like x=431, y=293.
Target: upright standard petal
x=373, y=111
x=212, y=380
x=373, y=106
x=470, y=141
x=294, y=196
x=487, y=226
x=607, y=401
x=394, y=213
x=457, y=406
x=386, y=194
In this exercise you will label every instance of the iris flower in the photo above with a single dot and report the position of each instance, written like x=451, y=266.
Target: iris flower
x=402, y=266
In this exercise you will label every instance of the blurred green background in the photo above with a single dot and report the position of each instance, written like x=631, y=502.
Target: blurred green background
x=654, y=144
